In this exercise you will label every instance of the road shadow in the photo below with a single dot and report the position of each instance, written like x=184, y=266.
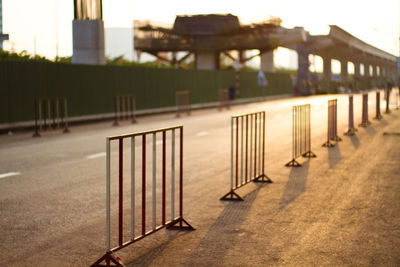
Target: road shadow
x=355, y=141
x=334, y=156
x=296, y=184
x=222, y=234
x=370, y=130
x=383, y=122
x=147, y=258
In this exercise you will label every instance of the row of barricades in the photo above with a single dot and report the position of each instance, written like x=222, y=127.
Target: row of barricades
x=55, y=109
x=164, y=176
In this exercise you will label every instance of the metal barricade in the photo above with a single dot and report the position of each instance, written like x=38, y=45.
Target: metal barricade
x=251, y=144
x=182, y=99
x=223, y=96
x=175, y=222
x=301, y=134
x=50, y=113
x=332, y=124
x=352, y=130
x=378, y=115
x=124, y=108
x=364, y=117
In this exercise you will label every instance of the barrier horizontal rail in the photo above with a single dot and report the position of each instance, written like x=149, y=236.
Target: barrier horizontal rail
x=182, y=99
x=124, y=108
x=224, y=101
x=352, y=130
x=332, y=124
x=50, y=113
x=378, y=115
x=175, y=222
x=301, y=134
x=251, y=164
x=364, y=117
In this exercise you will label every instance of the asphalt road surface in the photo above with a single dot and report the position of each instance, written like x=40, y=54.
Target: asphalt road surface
x=341, y=208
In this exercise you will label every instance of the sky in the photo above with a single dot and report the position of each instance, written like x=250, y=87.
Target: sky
x=44, y=27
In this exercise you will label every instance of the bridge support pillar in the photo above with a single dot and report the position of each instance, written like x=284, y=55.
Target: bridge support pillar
x=207, y=60
x=88, y=42
x=327, y=65
x=267, y=61
x=302, y=83
x=344, y=76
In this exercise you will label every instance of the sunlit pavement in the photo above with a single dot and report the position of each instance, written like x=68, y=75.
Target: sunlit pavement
x=340, y=208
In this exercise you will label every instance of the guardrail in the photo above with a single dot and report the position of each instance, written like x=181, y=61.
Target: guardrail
x=301, y=134
x=182, y=99
x=50, y=113
x=175, y=222
x=124, y=108
x=378, y=115
x=364, y=117
x=224, y=101
x=352, y=130
x=251, y=164
x=332, y=124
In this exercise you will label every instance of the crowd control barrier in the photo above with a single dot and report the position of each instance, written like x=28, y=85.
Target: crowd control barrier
x=124, y=108
x=397, y=99
x=301, y=134
x=378, y=115
x=352, y=130
x=182, y=102
x=161, y=186
x=250, y=144
x=332, y=124
x=50, y=113
x=387, y=94
x=224, y=102
x=364, y=117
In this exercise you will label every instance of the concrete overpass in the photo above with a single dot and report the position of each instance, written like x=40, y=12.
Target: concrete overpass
x=342, y=46
x=208, y=36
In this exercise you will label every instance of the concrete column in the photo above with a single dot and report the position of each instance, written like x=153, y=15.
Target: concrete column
x=267, y=61
x=357, y=69
x=344, y=75
x=88, y=42
x=302, y=83
x=207, y=61
x=327, y=68
x=366, y=70
x=374, y=71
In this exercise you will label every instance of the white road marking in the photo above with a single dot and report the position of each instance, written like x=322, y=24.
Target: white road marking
x=97, y=155
x=202, y=133
x=8, y=174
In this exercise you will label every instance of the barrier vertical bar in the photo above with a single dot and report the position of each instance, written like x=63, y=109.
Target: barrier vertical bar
x=387, y=100
x=132, y=99
x=237, y=153
x=232, y=160
x=126, y=116
x=53, y=112
x=144, y=184
x=108, y=184
x=255, y=144
x=173, y=175
x=66, y=130
x=263, y=147
x=121, y=107
x=241, y=150
x=259, y=143
x=133, y=160
x=120, y=192
x=163, y=175
x=352, y=129
x=251, y=146
x=247, y=144
x=364, y=121
x=44, y=114
x=36, y=133
x=378, y=115
x=293, y=133
x=181, y=178
x=154, y=182
x=115, y=110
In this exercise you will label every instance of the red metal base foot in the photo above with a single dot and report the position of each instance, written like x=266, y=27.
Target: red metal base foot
x=293, y=163
x=180, y=224
x=378, y=117
x=336, y=138
x=351, y=131
x=263, y=179
x=231, y=196
x=328, y=144
x=364, y=124
x=109, y=259
x=309, y=154
x=36, y=134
